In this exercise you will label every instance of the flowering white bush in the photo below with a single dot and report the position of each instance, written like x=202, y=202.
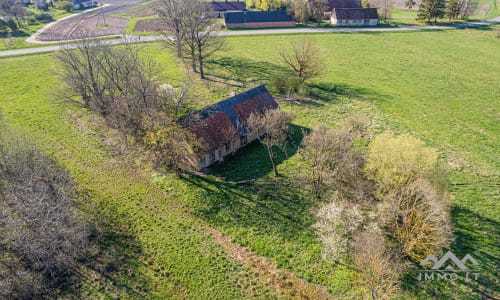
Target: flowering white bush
x=335, y=225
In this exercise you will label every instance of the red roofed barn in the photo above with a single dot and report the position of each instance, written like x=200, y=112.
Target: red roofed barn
x=222, y=126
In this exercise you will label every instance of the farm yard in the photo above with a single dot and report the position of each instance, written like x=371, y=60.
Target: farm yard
x=208, y=236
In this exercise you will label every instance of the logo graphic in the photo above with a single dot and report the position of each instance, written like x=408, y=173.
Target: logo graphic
x=448, y=267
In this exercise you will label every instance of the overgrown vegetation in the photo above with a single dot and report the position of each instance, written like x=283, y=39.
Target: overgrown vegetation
x=44, y=234
x=122, y=86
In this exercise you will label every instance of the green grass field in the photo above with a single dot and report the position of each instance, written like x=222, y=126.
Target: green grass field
x=440, y=86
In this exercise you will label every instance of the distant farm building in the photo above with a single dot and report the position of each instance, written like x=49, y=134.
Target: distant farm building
x=258, y=19
x=354, y=17
x=216, y=9
x=221, y=127
x=344, y=4
x=332, y=4
x=82, y=4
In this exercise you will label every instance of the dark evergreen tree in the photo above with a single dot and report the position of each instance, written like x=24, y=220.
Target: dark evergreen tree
x=453, y=8
x=431, y=9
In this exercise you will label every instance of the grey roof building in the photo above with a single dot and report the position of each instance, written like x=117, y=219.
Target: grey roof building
x=222, y=126
x=258, y=19
x=354, y=17
x=219, y=8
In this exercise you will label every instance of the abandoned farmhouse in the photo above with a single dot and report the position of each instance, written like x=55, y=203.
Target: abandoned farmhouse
x=222, y=126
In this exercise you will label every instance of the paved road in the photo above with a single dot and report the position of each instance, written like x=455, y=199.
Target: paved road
x=136, y=39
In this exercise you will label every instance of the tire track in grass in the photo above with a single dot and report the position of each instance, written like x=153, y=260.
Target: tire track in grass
x=286, y=284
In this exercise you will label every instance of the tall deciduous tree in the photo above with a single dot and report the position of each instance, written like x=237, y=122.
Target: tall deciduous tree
x=194, y=33
x=303, y=59
x=271, y=128
x=410, y=4
x=318, y=9
x=332, y=164
x=377, y=266
x=395, y=161
x=384, y=8
x=453, y=8
x=300, y=11
x=172, y=13
x=200, y=40
x=417, y=216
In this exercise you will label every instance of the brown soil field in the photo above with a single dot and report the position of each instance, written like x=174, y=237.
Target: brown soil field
x=153, y=25
x=93, y=26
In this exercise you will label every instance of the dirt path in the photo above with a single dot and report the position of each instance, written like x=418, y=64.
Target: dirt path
x=286, y=284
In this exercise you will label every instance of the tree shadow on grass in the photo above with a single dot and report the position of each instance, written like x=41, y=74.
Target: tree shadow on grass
x=244, y=71
x=333, y=92
x=474, y=235
x=116, y=258
x=252, y=161
x=259, y=203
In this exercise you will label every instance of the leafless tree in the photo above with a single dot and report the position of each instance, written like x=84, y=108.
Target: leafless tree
x=271, y=128
x=378, y=268
x=81, y=72
x=172, y=13
x=467, y=8
x=303, y=59
x=122, y=84
x=200, y=40
x=384, y=8
x=332, y=164
x=193, y=29
x=418, y=217
x=118, y=82
x=41, y=227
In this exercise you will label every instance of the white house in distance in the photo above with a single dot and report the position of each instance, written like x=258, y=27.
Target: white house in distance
x=355, y=17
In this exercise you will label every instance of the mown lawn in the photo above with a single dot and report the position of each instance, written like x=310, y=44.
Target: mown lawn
x=441, y=86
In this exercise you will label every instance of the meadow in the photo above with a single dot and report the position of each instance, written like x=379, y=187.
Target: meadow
x=441, y=86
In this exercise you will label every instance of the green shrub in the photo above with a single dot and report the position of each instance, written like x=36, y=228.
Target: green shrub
x=64, y=5
x=12, y=24
x=284, y=85
x=44, y=17
x=394, y=161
